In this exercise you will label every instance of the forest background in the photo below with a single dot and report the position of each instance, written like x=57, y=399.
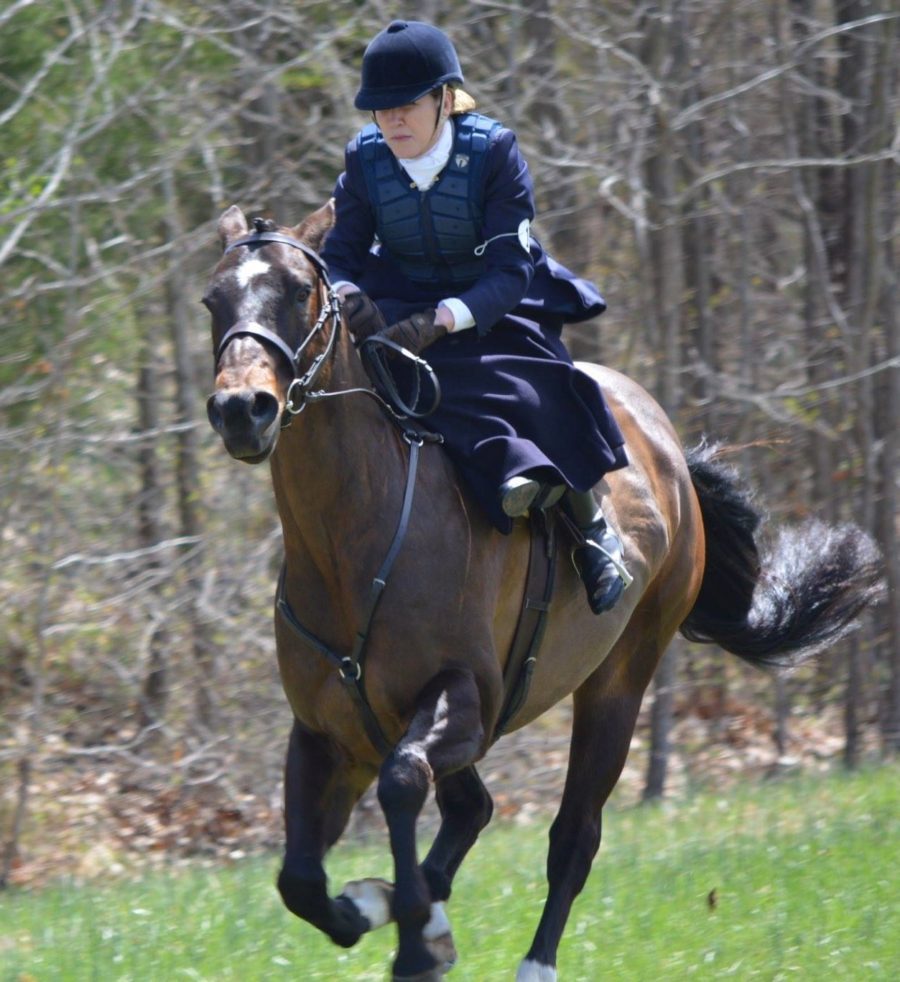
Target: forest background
x=726, y=171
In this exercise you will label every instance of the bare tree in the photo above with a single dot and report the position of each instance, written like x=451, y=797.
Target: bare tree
x=662, y=53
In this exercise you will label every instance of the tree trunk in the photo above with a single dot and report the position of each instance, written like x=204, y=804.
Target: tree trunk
x=889, y=411
x=886, y=394
x=661, y=717
x=154, y=690
x=698, y=264
x=819, y=194
x=663, y=42
x=782, y=715
x=864, y=129
x=188, y=468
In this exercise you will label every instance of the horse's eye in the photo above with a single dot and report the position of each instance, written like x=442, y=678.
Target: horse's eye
x=303, y=293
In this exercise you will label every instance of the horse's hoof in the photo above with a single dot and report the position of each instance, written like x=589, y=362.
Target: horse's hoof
x=371, y=898
x=443, y=949
x=349, y=925
x=439, y=939
x=432, y=975
x=532, y=971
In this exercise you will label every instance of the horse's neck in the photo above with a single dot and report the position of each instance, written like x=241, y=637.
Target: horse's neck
x=337, y=467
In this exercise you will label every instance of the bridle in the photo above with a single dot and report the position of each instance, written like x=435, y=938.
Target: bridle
x=300, y=390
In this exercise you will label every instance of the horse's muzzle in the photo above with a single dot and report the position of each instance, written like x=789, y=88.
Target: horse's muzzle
x=247, y=420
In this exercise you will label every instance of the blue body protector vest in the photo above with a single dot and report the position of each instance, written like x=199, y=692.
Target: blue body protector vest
x=431, y=235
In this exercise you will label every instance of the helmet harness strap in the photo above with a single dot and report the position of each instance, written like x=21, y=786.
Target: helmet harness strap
x=440, y=110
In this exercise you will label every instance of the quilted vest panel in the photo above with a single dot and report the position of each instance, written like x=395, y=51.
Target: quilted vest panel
x=431, y=235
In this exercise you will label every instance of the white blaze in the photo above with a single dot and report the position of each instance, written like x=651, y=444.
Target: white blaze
x=248, y=269
x=256, y=292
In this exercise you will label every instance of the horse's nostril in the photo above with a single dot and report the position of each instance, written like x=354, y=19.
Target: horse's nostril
x=263, y=407
x=244, y=412
x=214, y=411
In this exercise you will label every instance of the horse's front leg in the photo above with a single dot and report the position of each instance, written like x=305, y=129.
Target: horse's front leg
x=465, y=808
x=444, y=736
x=319, y=794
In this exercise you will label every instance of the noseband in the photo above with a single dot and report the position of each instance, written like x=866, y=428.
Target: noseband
x=300, y=392
x=302, y=382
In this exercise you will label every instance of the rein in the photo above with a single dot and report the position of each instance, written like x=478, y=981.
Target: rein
x=300, y=392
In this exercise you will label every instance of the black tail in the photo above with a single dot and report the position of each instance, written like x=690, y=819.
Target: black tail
x=778, y=607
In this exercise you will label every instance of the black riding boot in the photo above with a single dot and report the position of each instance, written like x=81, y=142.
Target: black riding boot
x=600, y=560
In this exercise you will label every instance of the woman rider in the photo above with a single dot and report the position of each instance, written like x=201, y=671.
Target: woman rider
x=431, y=237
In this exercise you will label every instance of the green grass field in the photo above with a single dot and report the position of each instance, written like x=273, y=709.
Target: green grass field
x=806, y=874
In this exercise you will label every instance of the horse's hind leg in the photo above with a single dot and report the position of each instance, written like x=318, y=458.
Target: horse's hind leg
x=319, y=794
x=606, y=708
x=444, y=736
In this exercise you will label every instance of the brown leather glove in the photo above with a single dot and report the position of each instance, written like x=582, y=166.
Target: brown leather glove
x=415, y=332
x=362, y=316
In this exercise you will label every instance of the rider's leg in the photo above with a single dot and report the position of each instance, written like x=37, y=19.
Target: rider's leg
x=600, y=560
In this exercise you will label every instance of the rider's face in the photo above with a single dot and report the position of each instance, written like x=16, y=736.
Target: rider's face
x=410, y=130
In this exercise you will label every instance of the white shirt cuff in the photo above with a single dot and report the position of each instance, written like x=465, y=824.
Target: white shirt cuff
x=462, y=316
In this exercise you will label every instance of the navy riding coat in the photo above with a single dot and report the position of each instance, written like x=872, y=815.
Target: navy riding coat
x=512, y=400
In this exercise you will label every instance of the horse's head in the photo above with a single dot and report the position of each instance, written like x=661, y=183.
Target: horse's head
x=267, y=297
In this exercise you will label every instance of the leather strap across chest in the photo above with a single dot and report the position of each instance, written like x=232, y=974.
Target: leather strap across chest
x=351, y=666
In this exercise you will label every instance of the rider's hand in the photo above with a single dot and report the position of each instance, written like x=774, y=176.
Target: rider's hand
x=417, y=331
x=362, y=316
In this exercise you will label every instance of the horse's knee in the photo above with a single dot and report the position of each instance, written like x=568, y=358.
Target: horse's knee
x=481, y=808
x=403, y=783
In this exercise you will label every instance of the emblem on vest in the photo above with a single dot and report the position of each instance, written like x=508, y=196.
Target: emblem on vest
x=461, y=160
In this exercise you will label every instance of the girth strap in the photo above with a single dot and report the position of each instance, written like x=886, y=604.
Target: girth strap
x=351, y=666
x=532, y=622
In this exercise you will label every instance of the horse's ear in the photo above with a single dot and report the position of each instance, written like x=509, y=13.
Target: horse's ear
x=313, y=229
x=232, y=224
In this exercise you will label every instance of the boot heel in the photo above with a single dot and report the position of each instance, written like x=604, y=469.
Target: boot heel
x=517, y=495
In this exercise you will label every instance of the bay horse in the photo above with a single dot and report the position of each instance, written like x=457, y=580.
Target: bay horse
x=423, y=707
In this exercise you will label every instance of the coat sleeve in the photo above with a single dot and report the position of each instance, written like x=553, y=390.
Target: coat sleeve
x=353, y=232
x=509, y=268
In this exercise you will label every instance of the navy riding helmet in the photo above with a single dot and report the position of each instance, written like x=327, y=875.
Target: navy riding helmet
x=404, y=62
